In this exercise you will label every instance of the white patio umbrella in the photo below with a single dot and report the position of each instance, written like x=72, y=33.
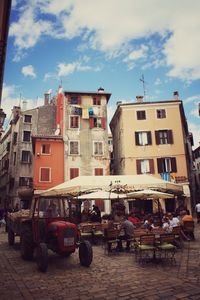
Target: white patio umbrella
x=149, y=194
x=102, y=195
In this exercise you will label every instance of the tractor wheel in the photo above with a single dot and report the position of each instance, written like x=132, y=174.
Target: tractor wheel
x=26, y=243
x=42, y=257
x=11, y=237
x=85, y=253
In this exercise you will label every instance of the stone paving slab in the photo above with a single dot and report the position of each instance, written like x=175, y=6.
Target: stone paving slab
x=109, y=277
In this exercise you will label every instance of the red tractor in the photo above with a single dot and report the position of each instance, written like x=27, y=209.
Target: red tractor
x=48, y=227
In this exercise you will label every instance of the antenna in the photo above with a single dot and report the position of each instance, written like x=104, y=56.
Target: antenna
x=144, y=87
x=20, y=99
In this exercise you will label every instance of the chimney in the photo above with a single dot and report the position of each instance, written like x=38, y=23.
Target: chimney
x=46, y=98
x=24, y=105
x=100, y=90
x=176, y=95
x=139, y=99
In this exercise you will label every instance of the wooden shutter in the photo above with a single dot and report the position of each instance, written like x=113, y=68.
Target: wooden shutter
x=74, y=172
x=91, y=122
x=44, y=176
x=149, y=139
x=137, y=138
x=159, y=164
x=157, y=137
x=151, y=164
x=138, y=166
x=79, y=100
x=103, y=123
x=173, y=164
x=98, y=172
x=170, y=136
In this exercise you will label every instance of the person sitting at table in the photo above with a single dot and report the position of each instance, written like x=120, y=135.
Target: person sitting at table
x=126, y=233
x=174, y=221
x=85, y=215
x=133, y=219
x=95, y=215
x=166, y=225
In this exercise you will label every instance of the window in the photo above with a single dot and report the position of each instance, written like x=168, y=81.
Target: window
x=161, y=113
x=98, y=171
x=166, y=165
x=27, y=118
x=74, y=172
x=96, y=100
x=98, y=148
x=14, y=158
x=25, y=181
x=143, y=138
x=164, y=137
x=141, y=115
x=26, y=136
x=98, y=123
x=26, y=156
x=46, y=148
x=14, y=138
x=74, y=121
x=45, y=174
x=75, y=99
x=145, y=166
x=74, y=147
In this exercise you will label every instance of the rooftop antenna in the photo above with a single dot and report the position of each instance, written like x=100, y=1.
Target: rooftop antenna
x=143, y=83
x=20, y=99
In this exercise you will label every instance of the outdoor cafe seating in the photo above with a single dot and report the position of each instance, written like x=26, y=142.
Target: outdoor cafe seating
x=91, y=231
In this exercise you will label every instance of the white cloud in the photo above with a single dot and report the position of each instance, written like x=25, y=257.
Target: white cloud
x=66, y=69
x=158, y=81
x=111, y=27
x=195, y=129
x=11, y=97
x=137, y=54
x=28, y=71
x=192, y=99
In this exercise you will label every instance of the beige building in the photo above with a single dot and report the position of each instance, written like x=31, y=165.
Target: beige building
x=153, y=138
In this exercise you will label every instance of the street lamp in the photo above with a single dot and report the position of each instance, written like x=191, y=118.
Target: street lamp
x=2, y=117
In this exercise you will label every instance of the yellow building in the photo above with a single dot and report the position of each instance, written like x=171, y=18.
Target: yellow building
x=153, y=138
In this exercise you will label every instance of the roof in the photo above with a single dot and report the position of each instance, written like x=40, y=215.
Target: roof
x=107, y=95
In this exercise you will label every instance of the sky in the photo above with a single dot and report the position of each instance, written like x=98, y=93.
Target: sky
x=86, y=44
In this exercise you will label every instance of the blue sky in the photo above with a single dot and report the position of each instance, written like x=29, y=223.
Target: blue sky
x=85, y=44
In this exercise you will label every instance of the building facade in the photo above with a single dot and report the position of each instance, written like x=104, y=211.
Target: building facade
x=196, y=156
x=82, y=120
x=153, y=138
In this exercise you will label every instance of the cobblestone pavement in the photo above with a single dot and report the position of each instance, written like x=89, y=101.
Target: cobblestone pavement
x=109, y=277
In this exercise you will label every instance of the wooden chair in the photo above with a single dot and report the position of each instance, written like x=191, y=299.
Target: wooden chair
x=188, y=229
x=167, y=248
x=110, y=239
x=146, y=248
x=178, y=238
x=97, y=233
x=86, y=231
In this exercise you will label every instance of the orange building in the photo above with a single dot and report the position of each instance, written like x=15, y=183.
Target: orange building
x=48, y=161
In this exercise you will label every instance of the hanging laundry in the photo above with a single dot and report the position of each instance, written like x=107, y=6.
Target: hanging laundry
x=91, y=112
x=85, y=113
x=76, y=110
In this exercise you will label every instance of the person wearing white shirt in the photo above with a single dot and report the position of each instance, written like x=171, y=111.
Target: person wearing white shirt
x=197, y=209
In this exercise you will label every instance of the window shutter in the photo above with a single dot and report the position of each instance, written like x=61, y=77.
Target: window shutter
x=91, y=122
x=98, y=172
x=74, y=172
x=170, y=136
x=149, y=139
x=151, y=164
x=103, y=123
x=69, y=100
x=159, y=163
x=136, y=138
x=138, y=166
x=79, y=100
x=157, y=137
x=173, y=164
